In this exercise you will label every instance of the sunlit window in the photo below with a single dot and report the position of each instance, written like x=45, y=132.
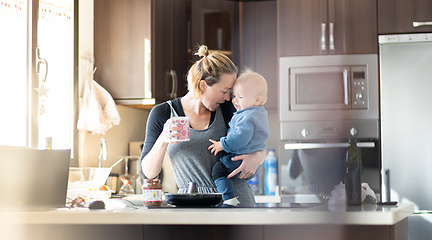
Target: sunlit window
x=55, y=41
x=53, y=86
x=13, y=73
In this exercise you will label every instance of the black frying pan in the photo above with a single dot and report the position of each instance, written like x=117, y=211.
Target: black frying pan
x=192, y=198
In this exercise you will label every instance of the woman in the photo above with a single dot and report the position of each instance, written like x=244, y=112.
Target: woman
x=208, y=106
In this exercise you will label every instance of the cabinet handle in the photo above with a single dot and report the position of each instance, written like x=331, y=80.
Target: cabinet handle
x=419, y=24
x=331, y=38
x=323, y=41
x=326, y=145
x=173, y=93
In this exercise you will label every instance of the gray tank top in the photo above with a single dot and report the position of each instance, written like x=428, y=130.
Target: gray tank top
x=192, y=162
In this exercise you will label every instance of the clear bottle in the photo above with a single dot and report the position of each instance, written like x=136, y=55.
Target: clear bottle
x=270, y=180
x=253, y=182
x=353, y=180
x=48, y=143
x=261, y=175
x=125, y=186
x=137, y=180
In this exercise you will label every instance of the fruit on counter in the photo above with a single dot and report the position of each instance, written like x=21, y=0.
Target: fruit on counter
x=103, y=188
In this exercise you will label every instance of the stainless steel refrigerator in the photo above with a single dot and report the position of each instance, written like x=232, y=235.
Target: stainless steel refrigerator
x=406, y=125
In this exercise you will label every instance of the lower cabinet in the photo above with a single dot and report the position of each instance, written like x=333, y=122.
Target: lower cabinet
x=398, y=231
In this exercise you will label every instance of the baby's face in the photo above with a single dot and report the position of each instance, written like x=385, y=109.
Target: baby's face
x=243, y=97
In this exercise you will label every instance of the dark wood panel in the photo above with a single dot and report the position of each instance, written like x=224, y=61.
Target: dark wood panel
x=169, y=47
x=200, y=232
x=300, y=27
x=122, y=28
x=355, y=26
x=397, y=16
x=248, y=36
x=266, y=50
x=119, y=49
x=259, y=44
x=180, y=44
x=198, y=10
x=327, y=232
x=161, y=48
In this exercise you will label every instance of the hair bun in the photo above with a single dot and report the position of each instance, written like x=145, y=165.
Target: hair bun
x=202, y=51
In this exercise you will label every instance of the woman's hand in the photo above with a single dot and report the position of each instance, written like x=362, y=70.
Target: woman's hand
x=170, y=130
x=151, y=164
x=249, y=165
x=215, y=147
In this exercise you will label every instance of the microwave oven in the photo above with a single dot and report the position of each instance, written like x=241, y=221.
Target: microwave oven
x=328, y=97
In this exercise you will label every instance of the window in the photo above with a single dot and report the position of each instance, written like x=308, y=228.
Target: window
x=36, y=73
x=13, y=73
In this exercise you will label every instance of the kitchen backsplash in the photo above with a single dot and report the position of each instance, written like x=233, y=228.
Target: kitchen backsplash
x=132, y=128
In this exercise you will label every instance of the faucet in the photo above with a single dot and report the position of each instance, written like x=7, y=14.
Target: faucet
x=103, y=151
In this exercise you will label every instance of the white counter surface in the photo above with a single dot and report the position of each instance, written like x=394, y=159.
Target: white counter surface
x=130, y=214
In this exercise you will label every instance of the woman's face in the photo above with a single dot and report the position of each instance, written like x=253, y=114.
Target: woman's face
x=219, y=92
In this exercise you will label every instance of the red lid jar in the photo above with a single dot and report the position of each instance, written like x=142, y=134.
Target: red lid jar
x=152, y=193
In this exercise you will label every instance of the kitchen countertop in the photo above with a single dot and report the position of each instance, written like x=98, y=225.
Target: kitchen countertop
x=125, y=212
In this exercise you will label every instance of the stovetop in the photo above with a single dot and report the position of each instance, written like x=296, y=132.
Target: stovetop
x=257, y=205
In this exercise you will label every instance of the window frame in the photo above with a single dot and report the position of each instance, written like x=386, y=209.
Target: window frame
x=33, y=80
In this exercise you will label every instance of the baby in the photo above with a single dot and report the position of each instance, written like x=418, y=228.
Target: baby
x=248, y=129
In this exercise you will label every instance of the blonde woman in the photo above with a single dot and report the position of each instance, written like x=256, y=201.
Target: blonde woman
x=208, y=106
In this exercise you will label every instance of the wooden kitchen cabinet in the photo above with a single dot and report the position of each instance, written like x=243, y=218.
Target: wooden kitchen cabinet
x=141, y=48
x=320, y=27
x=398, y=16
x=215, y=23
x=259, y=44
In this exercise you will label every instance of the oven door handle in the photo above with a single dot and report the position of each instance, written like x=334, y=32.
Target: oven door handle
x=345, y=76
x=326, y=145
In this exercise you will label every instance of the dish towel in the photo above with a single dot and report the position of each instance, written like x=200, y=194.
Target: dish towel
x=98, y=112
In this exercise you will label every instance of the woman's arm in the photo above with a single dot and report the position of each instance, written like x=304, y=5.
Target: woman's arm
x=156, y=141
x=249, y=165
x=151, y=164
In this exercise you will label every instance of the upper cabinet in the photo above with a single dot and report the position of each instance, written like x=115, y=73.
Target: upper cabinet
x=319, y=27
x=214, y=23
x=404, y=16
x=141, y=49
x=259, y=44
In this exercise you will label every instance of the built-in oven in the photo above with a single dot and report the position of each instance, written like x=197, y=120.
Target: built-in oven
x=328, y=97
x=324, y=101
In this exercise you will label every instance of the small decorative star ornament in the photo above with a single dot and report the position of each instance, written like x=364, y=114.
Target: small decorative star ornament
x=42, y=95
x=42, y=91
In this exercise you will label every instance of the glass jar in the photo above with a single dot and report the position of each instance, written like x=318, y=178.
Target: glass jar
x=152, y=193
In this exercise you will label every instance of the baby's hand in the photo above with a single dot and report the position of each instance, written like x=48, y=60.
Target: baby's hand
x=215, y=147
